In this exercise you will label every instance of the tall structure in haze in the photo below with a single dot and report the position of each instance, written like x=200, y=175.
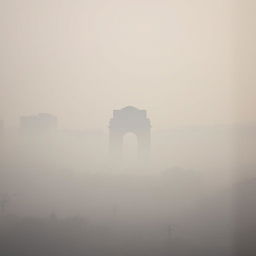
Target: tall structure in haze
x=130, y=119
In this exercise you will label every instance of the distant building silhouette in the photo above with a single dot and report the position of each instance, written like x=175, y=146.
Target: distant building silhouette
x=38, y=124
x=130, y=119
x=4, y=201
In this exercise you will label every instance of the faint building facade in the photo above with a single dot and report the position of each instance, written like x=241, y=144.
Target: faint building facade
x=126, y=120
x=38, y=124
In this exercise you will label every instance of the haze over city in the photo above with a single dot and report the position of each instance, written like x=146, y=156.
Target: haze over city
x=127, y=127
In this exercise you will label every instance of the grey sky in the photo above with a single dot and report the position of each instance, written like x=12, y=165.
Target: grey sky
x=81, y=59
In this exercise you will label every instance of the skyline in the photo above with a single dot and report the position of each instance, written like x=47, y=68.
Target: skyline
x=16, y=122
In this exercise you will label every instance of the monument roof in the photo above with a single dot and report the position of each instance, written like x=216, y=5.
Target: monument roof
x=130, y=108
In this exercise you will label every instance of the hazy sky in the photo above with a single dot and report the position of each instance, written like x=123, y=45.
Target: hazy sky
x=81, y=59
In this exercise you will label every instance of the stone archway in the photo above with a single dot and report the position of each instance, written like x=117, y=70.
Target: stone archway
x=129, y=119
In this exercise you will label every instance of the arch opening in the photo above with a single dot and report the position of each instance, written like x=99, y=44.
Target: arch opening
x=130, y=147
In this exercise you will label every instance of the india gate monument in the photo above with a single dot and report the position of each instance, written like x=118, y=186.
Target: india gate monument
x=129, y=120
